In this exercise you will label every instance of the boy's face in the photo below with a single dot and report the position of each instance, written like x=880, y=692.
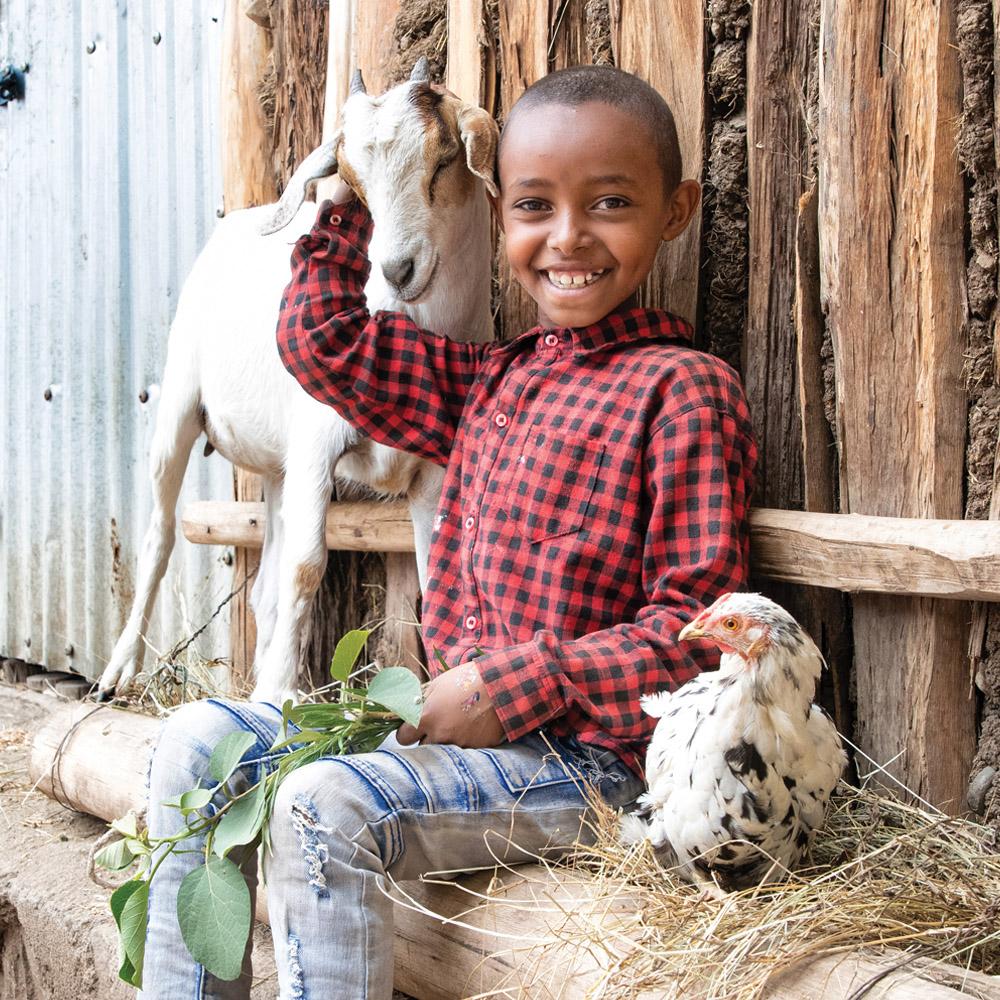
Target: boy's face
x=583, y=208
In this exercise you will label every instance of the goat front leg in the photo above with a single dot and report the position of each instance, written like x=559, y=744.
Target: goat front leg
x=178, y=424
x=264, y=593
x=424, y=496
x=301, y=563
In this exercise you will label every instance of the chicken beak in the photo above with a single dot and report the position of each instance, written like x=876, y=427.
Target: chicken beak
x=691, y=631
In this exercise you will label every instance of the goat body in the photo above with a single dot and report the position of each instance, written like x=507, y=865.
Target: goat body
x=223, y=375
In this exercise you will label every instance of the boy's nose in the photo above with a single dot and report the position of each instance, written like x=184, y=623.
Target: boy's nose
x=567, y=233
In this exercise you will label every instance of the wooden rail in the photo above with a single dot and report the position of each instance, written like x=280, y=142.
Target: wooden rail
x=850, y=552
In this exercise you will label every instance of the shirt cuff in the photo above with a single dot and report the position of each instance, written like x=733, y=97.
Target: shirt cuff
x=352, y=222
x=522, y=686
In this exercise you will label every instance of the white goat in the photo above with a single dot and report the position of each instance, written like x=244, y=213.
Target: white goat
x=431, y=257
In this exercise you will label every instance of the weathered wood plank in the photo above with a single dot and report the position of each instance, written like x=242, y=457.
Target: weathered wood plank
x=482, y=934
x=891, y=225
x=524, y=41
x=359, y=526
x=663, y=42
x=372, y=42
x=471, y=72
x=886, y=555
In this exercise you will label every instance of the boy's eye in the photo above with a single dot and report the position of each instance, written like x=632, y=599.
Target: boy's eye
x=531, y=205
x=612, y=201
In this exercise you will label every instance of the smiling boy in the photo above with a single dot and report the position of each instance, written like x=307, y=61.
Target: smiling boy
x=598, y=473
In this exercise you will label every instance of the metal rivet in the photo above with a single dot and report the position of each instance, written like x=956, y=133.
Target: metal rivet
x=48, y=394
x=27, y=642
x=228, y=558
x=157, y=38
x=220, y=212
x=143, y=396
x=69, y=650
x=91, y=48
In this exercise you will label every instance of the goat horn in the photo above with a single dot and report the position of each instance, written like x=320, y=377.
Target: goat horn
x=357, y=83
x=421, y=72
x=320, y=162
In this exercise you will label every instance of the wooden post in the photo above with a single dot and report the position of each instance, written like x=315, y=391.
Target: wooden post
x=247, y=180
x=891, y=235
x=524, y=43
x=663, y=41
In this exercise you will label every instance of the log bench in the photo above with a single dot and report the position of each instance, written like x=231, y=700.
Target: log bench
x=449, y=941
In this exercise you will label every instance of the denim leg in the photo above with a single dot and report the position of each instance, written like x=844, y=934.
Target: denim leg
x=180, y=762
x=340, y=825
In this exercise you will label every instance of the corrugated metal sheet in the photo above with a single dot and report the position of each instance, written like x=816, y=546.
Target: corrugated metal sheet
x=109, y=182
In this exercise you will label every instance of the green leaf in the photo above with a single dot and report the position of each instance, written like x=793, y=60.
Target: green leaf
x=347, y=652
x=303, y=736
x=241, y=821
x=125, y=825
x=196, y=798
x=439, y=656
x=115, y=856
x=227, y=754
x=213, y=910
x=398, y=690
x=128, y=906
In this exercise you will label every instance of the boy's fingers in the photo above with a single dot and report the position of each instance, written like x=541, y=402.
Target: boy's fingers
x=407, y=735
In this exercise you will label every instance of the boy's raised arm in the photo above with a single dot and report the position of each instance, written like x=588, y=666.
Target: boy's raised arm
x=400, y=385
x=699, y=468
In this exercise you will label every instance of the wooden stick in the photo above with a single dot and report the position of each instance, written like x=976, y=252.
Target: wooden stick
x=851, y=552
x=364, y=526
x=519, y=927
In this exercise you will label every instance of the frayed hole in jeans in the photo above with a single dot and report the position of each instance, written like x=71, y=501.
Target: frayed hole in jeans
x=305, y=822
x=296, y=985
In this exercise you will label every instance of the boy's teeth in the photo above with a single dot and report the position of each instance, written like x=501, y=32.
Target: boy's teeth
x=573, y=280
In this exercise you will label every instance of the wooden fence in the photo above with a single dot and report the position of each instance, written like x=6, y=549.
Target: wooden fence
x=841, y=261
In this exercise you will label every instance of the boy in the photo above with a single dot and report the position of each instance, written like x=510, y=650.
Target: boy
x=598, y=478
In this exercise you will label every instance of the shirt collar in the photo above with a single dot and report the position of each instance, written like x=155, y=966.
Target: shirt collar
x=620, y=326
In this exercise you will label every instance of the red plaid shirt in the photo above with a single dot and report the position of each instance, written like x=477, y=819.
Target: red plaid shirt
x=595, y=497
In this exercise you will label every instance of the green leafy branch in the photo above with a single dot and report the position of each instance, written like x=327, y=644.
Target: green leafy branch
x=213, y=901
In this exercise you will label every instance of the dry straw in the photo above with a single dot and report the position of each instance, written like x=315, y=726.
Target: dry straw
x=883, y=875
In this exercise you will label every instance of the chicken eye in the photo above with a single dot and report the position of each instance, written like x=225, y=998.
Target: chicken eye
x=730, y=624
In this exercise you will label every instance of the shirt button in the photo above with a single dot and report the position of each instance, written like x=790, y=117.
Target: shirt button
x=551, y=340
x=500, y=420
x=471, y=622
x=336, y=220
x=469, y=522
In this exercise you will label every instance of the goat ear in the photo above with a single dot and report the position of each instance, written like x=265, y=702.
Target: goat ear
x=321, y=162
x=479, y=134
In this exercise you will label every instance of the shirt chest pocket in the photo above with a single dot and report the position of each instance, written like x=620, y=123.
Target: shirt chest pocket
x=554, y=485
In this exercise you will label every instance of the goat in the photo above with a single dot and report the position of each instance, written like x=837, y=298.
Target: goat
x=223, y=375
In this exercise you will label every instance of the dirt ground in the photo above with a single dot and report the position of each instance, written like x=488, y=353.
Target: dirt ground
x=57, y=937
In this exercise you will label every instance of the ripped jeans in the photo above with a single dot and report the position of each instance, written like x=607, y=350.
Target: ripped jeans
x=342, y=824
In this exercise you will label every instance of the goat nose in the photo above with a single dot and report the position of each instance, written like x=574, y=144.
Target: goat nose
x=398, y=271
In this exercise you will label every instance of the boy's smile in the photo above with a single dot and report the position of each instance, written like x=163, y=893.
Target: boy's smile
x=583, y=208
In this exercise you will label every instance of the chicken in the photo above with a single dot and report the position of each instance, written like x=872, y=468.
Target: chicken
x=742, y=764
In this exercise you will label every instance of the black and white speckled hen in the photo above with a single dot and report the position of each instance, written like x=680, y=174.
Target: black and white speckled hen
x=742, y=763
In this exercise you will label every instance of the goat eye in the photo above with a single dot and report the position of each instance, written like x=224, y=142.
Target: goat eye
x=442, y=164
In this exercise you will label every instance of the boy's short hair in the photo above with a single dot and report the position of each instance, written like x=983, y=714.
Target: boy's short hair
x=608, y=85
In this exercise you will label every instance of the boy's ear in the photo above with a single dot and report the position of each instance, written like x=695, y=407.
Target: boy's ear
x=479, y=133
x=682, y=205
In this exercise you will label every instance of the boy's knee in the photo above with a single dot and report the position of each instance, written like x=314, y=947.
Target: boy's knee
x=186, y=741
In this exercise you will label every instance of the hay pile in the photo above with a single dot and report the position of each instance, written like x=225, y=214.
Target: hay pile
x=884, y=875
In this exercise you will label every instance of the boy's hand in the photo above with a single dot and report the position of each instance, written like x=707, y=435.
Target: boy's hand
x=457, y=710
